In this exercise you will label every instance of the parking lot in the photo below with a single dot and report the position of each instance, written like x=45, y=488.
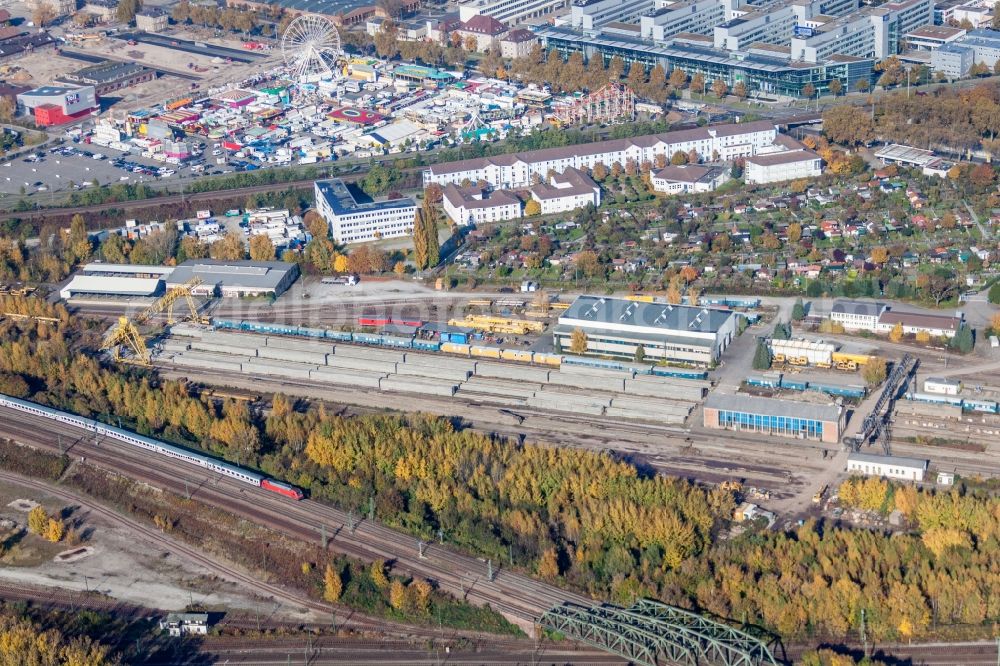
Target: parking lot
x=75, y=166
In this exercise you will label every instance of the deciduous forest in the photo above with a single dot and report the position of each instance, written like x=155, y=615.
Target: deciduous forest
x=573, y=517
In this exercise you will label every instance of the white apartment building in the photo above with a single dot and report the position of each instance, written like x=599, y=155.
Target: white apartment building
x=569, y=190
x=781, y=166
x=856, y=315
x=474, y=205
x=590, y=15
x=508, y=12
x=354, y=222
x=722, y=142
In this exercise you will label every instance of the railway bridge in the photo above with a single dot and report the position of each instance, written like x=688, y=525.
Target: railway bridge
x=654, y=634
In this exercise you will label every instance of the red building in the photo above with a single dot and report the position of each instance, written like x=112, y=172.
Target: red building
x=52, y=105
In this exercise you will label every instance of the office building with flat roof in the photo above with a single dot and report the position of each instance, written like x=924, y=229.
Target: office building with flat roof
x=771, y=416
x=617, y=327
x=353, y=221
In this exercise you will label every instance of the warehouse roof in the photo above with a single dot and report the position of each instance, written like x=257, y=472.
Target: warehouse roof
x=621, y=312
x=896, y=461
x=786, y=157
x=748, y=404
x=98, y=268
x=651, y=338
x=916, y=320
x=864, y=308
x=251, y=274
x=112, y=286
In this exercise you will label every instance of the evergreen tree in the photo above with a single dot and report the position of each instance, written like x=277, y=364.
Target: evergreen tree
x=798, y=310
x=782, y=331
x=640, y=354
x=964, y=340
x=762, y=357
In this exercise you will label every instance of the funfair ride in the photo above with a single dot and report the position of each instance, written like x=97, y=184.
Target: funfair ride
x=311, y=48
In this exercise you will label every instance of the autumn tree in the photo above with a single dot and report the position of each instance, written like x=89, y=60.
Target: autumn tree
x=679, y=158
x=698, y=83
x=720, y=88
x=587, y=262
x=548, y=565
x=836, y=87
x=880, y=255
x=678, y=78
x=896, y=334
x=420, y=595
x=261, y=248
x=849, y=125
x=38, y=520
x=740, y=90
x=532, y=208
x=874, y=372
x=55, y=530
x=333, y=586
x=397, y=595
x=674, y=290
x=377, y=573
x=43, y=14
x=229, y=248
x=578, y=341
x=126, y=10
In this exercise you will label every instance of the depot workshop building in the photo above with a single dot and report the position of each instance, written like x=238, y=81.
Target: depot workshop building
x=784, y=418
x=618, y=326
x=124, y=282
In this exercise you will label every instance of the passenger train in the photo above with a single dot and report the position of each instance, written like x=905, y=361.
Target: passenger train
x=156, y=446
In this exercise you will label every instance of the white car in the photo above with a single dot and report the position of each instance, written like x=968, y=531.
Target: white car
x=97, y=156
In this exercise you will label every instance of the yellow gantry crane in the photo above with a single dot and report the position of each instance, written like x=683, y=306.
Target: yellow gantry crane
x=125, y=334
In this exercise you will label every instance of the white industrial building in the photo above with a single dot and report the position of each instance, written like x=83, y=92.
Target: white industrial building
x=566, y=191
x=687, y=178
x=781, y=166
x=890, y=467
x=723, y=142
x=355, y=222
x=617, y=327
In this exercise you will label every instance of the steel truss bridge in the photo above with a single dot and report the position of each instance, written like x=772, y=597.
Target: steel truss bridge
x=654, y=634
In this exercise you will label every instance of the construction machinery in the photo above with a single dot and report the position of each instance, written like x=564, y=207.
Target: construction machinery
x=125, y=334
x=15, y=315
x=492, y=324
x=850, y=362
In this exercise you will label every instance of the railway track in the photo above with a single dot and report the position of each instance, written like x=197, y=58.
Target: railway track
x=668, y=449
x=517, y=596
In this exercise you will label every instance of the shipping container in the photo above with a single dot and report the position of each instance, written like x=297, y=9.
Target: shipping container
x=516, y=355
x=455, y=348
x=484, y=352
x=794, y=384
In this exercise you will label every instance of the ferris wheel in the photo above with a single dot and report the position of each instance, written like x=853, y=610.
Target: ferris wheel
x=310, y=46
